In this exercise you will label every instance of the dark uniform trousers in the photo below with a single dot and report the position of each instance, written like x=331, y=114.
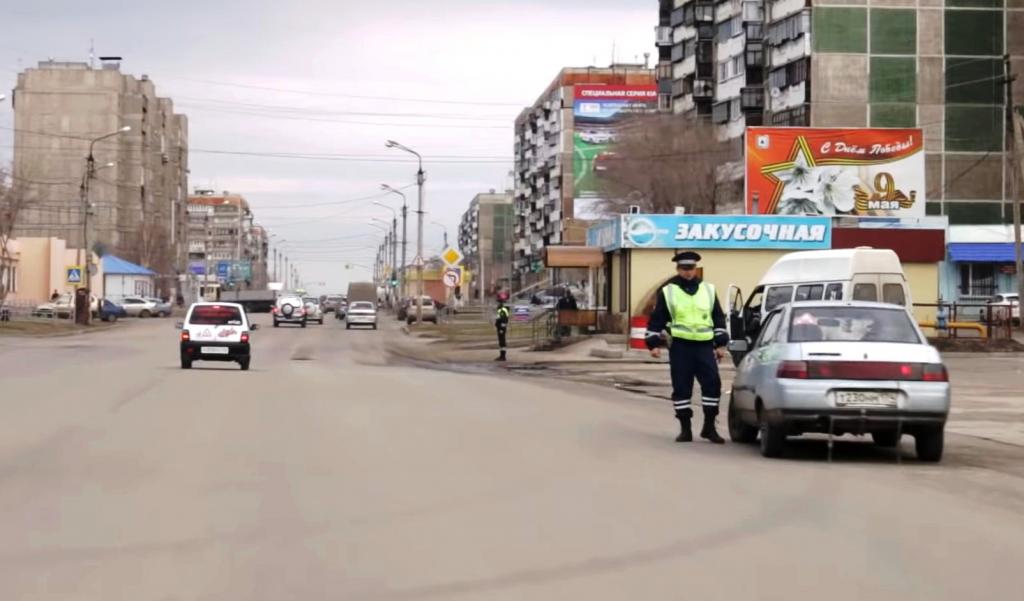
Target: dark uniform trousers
x=688, y=359
x=502, y=331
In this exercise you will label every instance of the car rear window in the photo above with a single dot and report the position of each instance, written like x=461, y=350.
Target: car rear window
x=215, y=315
x=362, y=306
x=851, y=324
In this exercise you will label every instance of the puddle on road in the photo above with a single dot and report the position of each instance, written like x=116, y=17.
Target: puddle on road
x=303, y=353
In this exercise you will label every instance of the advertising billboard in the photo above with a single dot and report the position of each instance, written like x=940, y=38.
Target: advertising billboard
x=820, y=171
x=712, y=231
x=598, y=113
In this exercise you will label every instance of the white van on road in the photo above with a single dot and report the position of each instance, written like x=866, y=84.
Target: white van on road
x=859, y=274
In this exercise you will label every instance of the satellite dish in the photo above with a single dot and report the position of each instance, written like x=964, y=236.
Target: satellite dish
x=775, y=92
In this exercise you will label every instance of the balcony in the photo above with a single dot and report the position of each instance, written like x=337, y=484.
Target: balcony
x=678, y=53
x=752, y=99
x=703, y=88
x=704, y=12
x=663, y=35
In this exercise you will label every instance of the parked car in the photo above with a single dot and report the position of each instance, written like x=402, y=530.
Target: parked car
x=331, y=303
x=314, y=312
x=137, y=306
x=361, y=313
x=108, y=310
x=161, y=308
x=842, y=368
x=216, y=332
x=429, y=310
x=62, y=307
x=289, y=309
x=1004, y=305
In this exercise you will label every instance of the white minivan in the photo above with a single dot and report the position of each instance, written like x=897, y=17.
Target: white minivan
x=859, y=274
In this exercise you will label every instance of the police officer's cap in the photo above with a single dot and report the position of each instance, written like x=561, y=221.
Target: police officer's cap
x=687, y=258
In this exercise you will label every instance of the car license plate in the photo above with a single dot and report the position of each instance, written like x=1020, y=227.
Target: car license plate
x=865, y=398
x=214, y=350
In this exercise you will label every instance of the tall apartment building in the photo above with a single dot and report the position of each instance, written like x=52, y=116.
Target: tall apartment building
x=544, y=162
x=138, y=201
x=485, y=238
x=221, y=232
x=857, y=63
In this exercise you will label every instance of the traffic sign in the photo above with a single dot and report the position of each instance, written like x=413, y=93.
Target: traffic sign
x=452, y=277
x=74, y=274
x=451, y=256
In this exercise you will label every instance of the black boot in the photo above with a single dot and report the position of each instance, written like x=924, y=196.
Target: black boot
x=501, y=357
x=685, y=431
x=709, y=431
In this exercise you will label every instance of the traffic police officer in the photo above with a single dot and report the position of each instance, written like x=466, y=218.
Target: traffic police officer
x=688, y=310
x=501, y=324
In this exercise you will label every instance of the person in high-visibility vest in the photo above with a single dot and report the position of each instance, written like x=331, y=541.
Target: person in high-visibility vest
x=501, y=324
x=690, y=320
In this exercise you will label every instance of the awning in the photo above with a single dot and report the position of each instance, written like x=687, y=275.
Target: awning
x=573, y=256
x=988, y=252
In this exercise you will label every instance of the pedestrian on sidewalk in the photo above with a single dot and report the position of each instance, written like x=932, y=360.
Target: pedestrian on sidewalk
x=501, y=324
x=688, y=309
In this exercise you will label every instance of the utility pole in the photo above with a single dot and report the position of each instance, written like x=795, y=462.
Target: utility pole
x=1015, y=143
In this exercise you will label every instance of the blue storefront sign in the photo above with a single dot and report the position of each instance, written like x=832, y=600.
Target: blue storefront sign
x=716, y=231
x=606, y=234
x=197, y=267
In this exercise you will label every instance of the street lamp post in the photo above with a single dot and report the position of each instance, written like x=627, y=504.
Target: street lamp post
x=421, y=178
x=443, y=228
x=394, y=235
x=405, y=234
x=90, y=173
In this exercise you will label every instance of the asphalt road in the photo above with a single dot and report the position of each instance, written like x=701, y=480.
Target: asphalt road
x=327, y=472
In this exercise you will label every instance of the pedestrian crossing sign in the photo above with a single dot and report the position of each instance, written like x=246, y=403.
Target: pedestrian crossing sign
x=74, y=274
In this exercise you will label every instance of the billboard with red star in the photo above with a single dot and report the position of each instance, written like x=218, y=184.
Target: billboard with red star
x=821, y=171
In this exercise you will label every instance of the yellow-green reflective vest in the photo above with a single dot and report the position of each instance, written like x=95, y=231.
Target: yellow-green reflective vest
x=691, y=314
x=502, y=312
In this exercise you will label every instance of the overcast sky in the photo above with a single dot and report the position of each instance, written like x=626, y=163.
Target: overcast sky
x=462, y=68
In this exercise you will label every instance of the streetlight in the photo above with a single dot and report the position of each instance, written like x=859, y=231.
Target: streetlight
x=394, y=237
x=405, y=231
x=443, y=227
x=90, y=173
x=421, y=177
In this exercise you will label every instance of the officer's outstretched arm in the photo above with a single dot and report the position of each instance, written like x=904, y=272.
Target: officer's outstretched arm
x=657, y=323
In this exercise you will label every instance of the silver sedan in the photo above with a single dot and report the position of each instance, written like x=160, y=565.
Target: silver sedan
x=840, y=368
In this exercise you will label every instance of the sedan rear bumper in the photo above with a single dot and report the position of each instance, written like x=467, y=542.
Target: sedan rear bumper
x=853, y=421
x=235, y=351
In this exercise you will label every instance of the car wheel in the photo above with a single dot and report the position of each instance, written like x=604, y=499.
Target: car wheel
x=739, y=431
x=186, y=363
x=773, y=439
x=144, y=313
x=929, y=444
x=244, y=364
x=303, y=323
x=888, y=439
x=348, y=326
x=374, y=326
x=277, y=324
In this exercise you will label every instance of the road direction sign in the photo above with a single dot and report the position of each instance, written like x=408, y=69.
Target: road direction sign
x=452, y=277
x=74, y=274
x=451, y=256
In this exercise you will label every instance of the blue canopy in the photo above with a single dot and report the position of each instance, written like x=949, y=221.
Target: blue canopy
x=987, y=252
x=117, y=266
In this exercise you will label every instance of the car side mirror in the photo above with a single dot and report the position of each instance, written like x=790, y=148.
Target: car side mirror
x=254, y=327
x=739, y=346
x=180, y=325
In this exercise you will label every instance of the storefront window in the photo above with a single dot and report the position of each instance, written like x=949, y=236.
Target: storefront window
x=977, y=279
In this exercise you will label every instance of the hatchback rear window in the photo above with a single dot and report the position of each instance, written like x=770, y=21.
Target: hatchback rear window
x=362, y=306
x=216, y=315
x=852, y=324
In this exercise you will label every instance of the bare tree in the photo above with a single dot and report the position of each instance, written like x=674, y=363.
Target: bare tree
x=12, y=201
x=663, y=161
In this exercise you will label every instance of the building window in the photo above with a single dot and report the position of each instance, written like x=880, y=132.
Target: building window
x=705, y=12
x=720, y=112
x=789, y=28
x=753, y=11
x=977, y=279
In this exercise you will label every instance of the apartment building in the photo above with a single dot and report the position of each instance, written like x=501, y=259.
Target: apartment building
x=546, y=164
x=850, y=63
x=485, y=239
x=223, y=242
x=138, y=193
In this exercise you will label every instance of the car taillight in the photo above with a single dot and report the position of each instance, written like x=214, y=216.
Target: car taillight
x=245, y=337
x=274, y=310
x=794, y=370
x=862, y=370
x=935, y=372
x=184, y=336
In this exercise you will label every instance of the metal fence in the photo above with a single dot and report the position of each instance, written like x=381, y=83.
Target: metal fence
x=24, y=310
x=970, y=320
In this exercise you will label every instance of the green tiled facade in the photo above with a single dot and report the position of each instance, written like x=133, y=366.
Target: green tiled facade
x=938, y=67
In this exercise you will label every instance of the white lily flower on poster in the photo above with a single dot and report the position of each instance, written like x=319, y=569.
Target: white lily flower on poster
x=800, y=174
x=836, y=189
x=800, y=200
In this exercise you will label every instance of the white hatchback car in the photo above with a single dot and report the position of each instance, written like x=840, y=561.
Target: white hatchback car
x=216, y=332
